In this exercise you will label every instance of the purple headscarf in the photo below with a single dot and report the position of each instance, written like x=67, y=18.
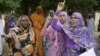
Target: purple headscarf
x=80, y=19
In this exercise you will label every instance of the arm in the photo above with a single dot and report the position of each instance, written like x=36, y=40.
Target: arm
x=44, y=31
x=55, y=26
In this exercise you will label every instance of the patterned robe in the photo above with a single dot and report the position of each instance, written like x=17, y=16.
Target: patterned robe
x=24, y=41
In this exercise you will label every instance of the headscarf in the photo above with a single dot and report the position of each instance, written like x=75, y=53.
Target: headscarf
x=18, y=22
x=39, y=8
x=48, y=16
x=51, y=11
x=80, y=19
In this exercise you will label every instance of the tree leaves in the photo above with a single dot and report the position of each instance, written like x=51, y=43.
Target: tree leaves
x=83, y=6
x=7, y=5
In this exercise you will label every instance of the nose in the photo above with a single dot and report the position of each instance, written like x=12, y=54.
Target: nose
x=72, y=19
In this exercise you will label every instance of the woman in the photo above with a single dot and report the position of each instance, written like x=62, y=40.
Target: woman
x=24, y=37
x=56, y=43
x=45, y=30
x=51, y=35
x=81, y=33
x=37, y=20
x=75, y=34
x=8, y=42
x=90, y=23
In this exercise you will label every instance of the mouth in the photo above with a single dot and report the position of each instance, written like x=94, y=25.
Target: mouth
x=72, y=22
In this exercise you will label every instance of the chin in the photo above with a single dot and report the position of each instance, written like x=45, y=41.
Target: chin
x=73, y=26
x=62, y=22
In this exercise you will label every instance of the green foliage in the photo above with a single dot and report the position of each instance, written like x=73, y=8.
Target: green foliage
x=22, y=6
x=8, y=5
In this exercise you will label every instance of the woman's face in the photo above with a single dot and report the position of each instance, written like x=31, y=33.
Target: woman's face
x=24, y=22
x=74, y=21
x=62, y=18
x=39, y=10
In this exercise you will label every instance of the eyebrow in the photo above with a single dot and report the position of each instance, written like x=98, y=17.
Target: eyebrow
x=24, y=19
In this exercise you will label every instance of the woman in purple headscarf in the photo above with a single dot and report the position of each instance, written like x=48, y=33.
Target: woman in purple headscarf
x=81, y=35
x=77, y=37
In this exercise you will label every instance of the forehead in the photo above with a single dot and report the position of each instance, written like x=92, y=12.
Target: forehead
x=62, y=13
x=24, y=18
x=74, y=15
x=39, y=8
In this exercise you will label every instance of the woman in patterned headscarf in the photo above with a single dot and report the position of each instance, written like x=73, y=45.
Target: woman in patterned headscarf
x=37, y=19
x=24, y=37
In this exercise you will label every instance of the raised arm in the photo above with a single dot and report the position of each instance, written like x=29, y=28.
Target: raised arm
x=44, y=31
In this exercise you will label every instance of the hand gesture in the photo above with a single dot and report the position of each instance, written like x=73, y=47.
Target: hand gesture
x=48, y=20
x=60, y=6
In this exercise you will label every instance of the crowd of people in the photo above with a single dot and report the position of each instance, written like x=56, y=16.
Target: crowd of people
x=57, y=35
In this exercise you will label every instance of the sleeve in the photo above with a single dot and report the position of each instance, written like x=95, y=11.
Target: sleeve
x=90, y=39
x=55, y=26
x=44, y=31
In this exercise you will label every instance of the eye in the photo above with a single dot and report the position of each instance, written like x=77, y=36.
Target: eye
x=62, y=15
x=73, y=17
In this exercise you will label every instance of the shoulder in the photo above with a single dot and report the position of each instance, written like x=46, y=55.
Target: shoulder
x=33, y=14
x=84, y=28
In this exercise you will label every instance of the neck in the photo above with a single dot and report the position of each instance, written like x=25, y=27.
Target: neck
x=24, y=28
x=39, y=13
x=73, y=28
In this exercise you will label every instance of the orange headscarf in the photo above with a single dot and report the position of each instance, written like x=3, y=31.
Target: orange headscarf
x=39, y=9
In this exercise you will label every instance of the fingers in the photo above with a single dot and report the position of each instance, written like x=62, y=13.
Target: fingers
x=64, y=2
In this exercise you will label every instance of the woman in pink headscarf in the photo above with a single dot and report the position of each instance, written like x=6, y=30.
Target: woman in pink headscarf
x=56, y=44
x=51, y=36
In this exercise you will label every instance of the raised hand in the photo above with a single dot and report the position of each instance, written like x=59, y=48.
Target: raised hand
x=64, y=2
x=60, y=6
x=48, y=20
